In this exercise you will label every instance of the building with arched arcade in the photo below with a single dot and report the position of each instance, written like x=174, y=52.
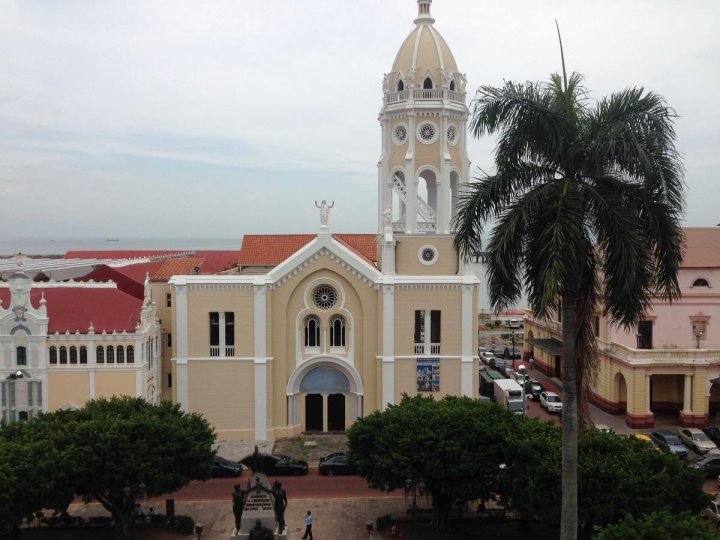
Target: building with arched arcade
x=668, y=366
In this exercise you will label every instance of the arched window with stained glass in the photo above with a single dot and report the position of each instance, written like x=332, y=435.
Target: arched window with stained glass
x=337, y=331
x=312, y=331
x=53, y=355
x=120, y=354
x=130, y=354
x=110, y=353
x=100, y=352
x=73, y=355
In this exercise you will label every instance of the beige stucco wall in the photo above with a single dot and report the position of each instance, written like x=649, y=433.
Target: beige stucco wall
x=114, y=382
x=407, y=260
x=65, y=388
x=447, y=300
x=204, y=300
x=160, y=290
x=220, y=390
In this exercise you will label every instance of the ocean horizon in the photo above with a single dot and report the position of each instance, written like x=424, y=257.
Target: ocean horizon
x=59, y=246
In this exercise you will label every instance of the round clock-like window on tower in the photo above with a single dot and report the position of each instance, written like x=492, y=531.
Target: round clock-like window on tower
x=399, y=134
x=427, y=132
x=452, y=135
x=428, y=255
x=324, y=297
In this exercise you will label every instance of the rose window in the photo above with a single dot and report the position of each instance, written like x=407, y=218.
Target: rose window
x=427, y=132
x=451, y=134
x=324, y=297
x=400, y=133
x=428, y=254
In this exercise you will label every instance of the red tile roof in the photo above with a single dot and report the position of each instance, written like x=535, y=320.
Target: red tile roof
x=272, y=249
x=74, y=308
x=178, y=267
x=702, y=247
x=217, y=260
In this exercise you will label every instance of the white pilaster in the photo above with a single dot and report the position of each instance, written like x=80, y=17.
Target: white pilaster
x=260, y=363
x=687, y=398
x=181, y=348
x=388, y=345
x=468, y=328
x=647, y=394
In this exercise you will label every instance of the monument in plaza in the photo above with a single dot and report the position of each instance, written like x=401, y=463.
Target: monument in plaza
x=259, y=509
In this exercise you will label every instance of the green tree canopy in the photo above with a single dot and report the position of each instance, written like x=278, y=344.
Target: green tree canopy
x=587, y=199
x=112, y=450
x=663, y=525
x=455, y=446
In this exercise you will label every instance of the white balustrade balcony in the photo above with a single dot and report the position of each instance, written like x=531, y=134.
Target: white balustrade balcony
x=425, y=95
x=427, y=349
x=215, y=350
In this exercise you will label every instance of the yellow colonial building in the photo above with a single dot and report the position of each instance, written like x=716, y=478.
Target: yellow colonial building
x=669, y=365
x=310, y=332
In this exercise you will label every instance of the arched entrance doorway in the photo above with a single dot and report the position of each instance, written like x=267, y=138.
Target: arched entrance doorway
x=324, y=395
x=619, y=404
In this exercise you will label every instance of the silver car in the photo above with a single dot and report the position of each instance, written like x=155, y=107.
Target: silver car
x=551, y=402
x=697, y=440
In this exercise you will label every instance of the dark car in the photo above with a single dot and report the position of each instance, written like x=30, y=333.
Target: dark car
x=533, y=389
x=709, y=464
x=336, y=463
x=713, y=433
x=285, y=465
x=667, y=439
x=223, y=468
x=497, y=363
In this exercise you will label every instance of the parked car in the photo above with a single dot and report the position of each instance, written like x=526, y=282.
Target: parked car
x=667, y=439
x=497, y=363
x=697, y=440
x=551, y=402
x=533, y=389
x=709, y=464
x=224, y=468
x=713, y=433
x=279, y=465
x=508, y=371
x=336, y=463
x=487, y=357
x=644, y=438
x=517, y=355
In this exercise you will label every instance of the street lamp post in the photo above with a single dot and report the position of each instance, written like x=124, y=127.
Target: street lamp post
x=521, y=370
x=698, y=334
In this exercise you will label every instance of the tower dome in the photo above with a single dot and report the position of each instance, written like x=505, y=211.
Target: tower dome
x=424, y=60
x=424, y=163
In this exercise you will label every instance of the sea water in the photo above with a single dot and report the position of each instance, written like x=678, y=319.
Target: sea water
x=59, y=246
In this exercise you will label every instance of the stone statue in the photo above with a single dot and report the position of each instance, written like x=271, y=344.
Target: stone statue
x=238, y=498
x=258, y=532
x=411, y=77
x=324, y=212
x=462, y=81
x=280, y=504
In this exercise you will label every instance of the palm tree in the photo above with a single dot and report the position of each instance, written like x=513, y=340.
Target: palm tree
x=586, y=199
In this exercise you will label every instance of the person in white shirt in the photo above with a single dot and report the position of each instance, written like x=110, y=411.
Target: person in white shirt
x=308, y=526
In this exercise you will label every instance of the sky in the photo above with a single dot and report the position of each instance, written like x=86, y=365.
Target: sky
x=198, y=119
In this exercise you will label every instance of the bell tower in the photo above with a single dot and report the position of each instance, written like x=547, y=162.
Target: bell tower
x=424, y=163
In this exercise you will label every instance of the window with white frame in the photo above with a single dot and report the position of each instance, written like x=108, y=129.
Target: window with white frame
x=427, y=332
x=337, y=331
x=222, y=333
x=312, y=331
x=130, y=354
x=120, y=354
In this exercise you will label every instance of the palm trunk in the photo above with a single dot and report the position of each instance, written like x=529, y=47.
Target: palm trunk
x=569, y=515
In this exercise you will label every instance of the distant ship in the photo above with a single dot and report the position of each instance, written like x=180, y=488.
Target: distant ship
x=112, y=239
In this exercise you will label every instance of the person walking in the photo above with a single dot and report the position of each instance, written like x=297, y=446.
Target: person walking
x=308, y=526
x=531, y=361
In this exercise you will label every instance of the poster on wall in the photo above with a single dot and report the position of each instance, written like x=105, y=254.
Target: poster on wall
x=428, y=375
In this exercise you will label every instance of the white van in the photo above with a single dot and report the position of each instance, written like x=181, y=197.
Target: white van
x=515, y=323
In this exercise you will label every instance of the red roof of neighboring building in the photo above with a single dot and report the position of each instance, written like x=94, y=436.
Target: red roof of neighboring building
x=127, y=284
x=217, y=260
x=702, y=247
x=272, y=249
x=72, y=309
x=178, y=267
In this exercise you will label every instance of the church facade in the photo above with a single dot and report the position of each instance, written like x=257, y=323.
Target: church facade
x=311, y=332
